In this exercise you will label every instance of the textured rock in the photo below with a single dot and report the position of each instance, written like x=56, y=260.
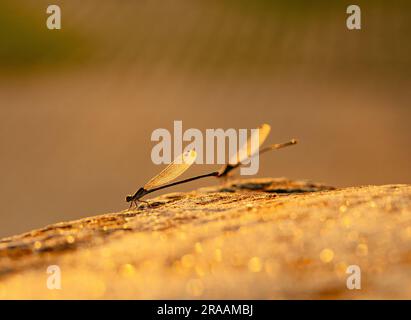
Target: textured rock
x=260, y=238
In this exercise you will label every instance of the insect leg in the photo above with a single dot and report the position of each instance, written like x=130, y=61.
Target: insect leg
x=146, y=202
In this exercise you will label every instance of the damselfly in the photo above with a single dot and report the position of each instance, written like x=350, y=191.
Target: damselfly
x=185, y=160
x=249, y=150
x=172, y=171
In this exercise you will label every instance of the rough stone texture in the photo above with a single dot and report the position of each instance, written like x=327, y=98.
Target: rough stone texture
x=260, y=238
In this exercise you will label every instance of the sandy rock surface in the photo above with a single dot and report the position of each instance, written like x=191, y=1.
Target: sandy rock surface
x=259, y=239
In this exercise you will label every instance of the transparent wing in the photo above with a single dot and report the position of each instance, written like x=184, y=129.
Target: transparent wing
x=247, y=149
x=173, y=170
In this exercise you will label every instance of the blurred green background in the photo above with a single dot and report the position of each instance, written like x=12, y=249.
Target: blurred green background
x=78, y=105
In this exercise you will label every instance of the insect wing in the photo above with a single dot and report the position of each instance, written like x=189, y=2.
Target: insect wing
x=248, y=149
x=173, y=170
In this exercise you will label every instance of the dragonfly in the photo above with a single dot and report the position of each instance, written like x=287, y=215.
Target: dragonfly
x=182, y=162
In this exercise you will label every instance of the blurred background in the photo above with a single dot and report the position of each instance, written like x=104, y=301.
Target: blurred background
x=78, y=105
